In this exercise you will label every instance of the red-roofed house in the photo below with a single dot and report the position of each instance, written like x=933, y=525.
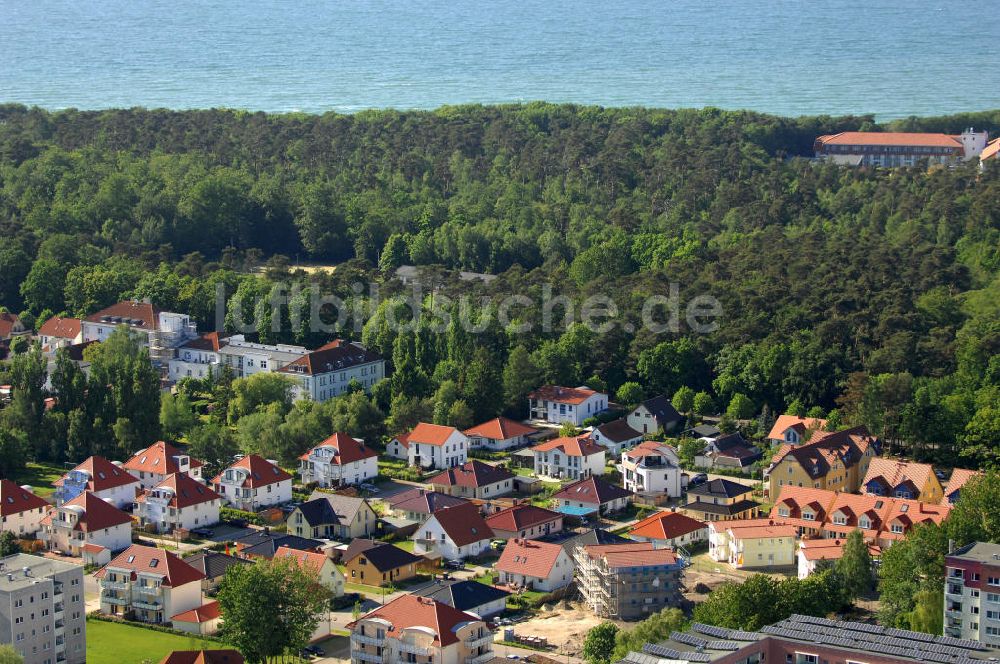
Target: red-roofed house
x=340, y=459
x=959, y=478
x=812, y=551
x=454, y=533
x=430, y=446
x=793, y=429
x=106, y=480
x=532, y=565
x=474, y=479
x=203, y=620
x=150, y=584
x=421, y=627
x=178, y=502
x=902, y=479
x=328, y=371
x=500, y=434
x=21, y=511
x=11, y=326
x=59, y=332
x=86, y=520
x=669, y=530
x=319, y=565
x=895, y=149
x=556, y=405
x=253, y=482
x=153, y=464
x=525, y=522
x=591, y=496
x=159, y=331
x=570, y=457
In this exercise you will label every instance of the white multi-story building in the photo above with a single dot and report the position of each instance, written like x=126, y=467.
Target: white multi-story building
x=160, y=331
x=86, y=520
x=453, y=533
x=196, y=358
x=652, y=468
x=571, y=457
x=21, y=511
x=972, y=593
x=558, y=405
x=430, y=446
x=105, y=479
x=148, y=584
x=42, y=613
x=178, y=502
x=247, y=358
x=893, y=149
x=160, y=460
x=340, y=459
x=330, y=370
x=253, y=482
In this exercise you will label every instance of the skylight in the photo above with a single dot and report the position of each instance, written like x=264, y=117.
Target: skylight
x=154, y=562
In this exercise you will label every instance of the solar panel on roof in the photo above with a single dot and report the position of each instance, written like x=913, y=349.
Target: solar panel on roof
x=905, y=634
x=711, y=630
x=688, y=639
x=670, y=653
x=722, y=645
x=738, y=635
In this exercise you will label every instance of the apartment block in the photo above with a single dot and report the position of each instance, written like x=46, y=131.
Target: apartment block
x=972, y=593
x=628, y=581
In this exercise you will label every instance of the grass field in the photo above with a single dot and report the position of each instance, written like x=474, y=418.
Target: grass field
x=40, y=477
x=115, y=643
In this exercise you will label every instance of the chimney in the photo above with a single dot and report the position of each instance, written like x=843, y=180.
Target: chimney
x=951, y=546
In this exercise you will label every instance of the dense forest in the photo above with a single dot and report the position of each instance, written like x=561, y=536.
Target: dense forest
x=871, y=293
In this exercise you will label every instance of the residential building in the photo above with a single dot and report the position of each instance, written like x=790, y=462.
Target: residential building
x=204, y=620
x=628, y=581
x=752, y=543
x=339, y=460
x=591, y=496
x=813, y=551
x=558, y=405
x=990, y=153
x=263, y=544
x=808, y=640
x=21, y=511
x=794, y=430
x=247, y=358
x=253, y=482
x=669, y=530
x=571, y=457
x=333, y=516
x=105, y=479
x=319, y=565
x=469, y=596
x=178, y=502
x=575, y=544
x=837, y=461
x=654, y=415
x=42, y=612
x=895, y=149
x=731, y=451
x=11, y=326
x=153, y=464
x=902, y=479
x=430, y=446
x=721, y=500
x=972, y=593
x=86, y=520
x=160, y=331
x=616, y=436
x=652, y=469
x=525, y=521
x=203, y=657
x=474, y=479
x=959, y=478
x=329, y=370
x=377, y=563
x=420, y=629
x=56, y=333
x=500, y=434
x=453, y=533
x=531, y=565
x=148, y=584
x=197, y=358
x=213, y=566
x=418, y=504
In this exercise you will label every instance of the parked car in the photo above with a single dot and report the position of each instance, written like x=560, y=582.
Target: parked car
x=314, y=651
x=202, y=532
x=238, y=523
x=369, y=487
x=700, y=478
x=454, y=564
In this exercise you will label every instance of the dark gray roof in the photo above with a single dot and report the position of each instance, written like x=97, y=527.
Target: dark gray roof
x=382, y=555
x=711, y=508
x=704, y=431
x=661, y=408
x=720, y=488
x=265, y=544
x=595, y=536
x=212, y=564
x=345, y=507
x=618, y=431
x=423, y=501
x=463, y=595
x=318, y=512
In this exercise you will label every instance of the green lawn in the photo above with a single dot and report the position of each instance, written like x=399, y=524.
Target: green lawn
x=115, y=643
x=405, y=545
x=40, y=476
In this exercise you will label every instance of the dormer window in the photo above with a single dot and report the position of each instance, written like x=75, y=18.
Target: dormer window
x=865, y=523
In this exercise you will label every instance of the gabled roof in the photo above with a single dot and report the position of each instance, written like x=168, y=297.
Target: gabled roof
x=666, y=526
x=346, y=449
x=410, y=611
x=907, y=139
x=334, y=356
x=463, y=524
x=7, y=322
x=265, y=544
x=345, y=507
x=991, y=150
x=96, y=513
x=14, y=499
x=159, y=458
x=186, y=491
x=800, y=424
x=129, y=312
x=592, y=490
x=959, y=477
x=104, y=475
x=500, y=428
x=618, y=431
x=306, y=559
x=828, y=549
x=152, y=561
x=214, y=564
x=382, y=555
x=202, y=614
x=591, y=537
x=422, y=501
x=463, y=595
x=210, y=341
x=633, y=554
x=567, y=395
x=260, y=472
x=520, y=517
x=758, y=528
x=892, y=472
x=203, y=657
x=662, y=410
x=825, y=448
x=61, y=328
x=721, y=488
x=651, y=448
x=427, y=434
x=577, y=446
x=529, y=558
x=472, y=474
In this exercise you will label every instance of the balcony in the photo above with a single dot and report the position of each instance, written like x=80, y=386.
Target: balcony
x=368, y=640
x=413, y=649
x=114, y=585
x=362, y=656
x=954, y=589
x=112, y=599
x=143, y=604
x=481, y=659
x=476, y=641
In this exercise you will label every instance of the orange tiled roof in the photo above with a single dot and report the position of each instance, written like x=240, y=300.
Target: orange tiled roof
x=567, y=395
x=800, y=424
x=959, y=477
x=104, y=475
x=7, y=322
x=500, y=428
x=891, y=138
x=635, y=554
x=158, y=458
x=520, y=517
x=463, y=524
x=261, y=472
x=62, y=328
x=311, y=559
x=991, y=150
x=757, y=528
x=408, y=611
x=579, y=446
x=665, y=526
x=157, y=562
x=529, y=558
x=97, y=514
x=187, y=491
x=144, y=314
x=203, y=657
x=427, y=434
x=472, y=474
x=894, y=472
x=348, y=449
x=202, y=614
